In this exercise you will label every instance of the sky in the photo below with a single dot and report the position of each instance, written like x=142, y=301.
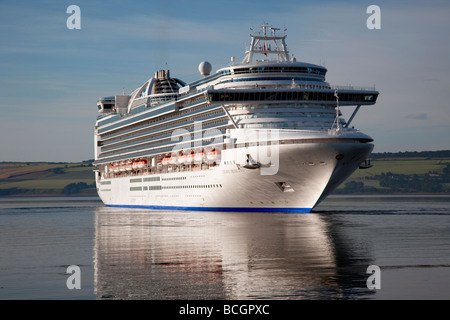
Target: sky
x=51, y=76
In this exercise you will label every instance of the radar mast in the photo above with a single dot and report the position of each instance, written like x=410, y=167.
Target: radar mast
x=265, y=43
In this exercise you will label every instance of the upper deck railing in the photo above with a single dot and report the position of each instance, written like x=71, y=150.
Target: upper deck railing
x=350, y=87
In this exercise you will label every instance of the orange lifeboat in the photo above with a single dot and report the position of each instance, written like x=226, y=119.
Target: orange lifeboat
x=173, y=159
x=115, y=168
x=165, y=161
x=181, y=158
x=199, y=157
x=139, y=164
x=213, y=155
x=189, y=158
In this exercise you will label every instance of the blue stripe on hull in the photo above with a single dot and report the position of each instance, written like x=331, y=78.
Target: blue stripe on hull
x=222, y=209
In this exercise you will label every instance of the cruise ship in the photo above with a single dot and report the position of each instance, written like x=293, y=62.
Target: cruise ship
x=265, y=134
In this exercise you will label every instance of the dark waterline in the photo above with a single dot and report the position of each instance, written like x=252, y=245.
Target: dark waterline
x=141, y=254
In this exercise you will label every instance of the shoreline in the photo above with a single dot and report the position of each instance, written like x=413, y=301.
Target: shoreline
x=396, y=195
x=50, y=198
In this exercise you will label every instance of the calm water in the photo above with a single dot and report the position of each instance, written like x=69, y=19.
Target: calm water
x=137, y=254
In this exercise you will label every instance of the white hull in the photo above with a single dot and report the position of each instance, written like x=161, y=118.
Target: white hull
x=309, y=171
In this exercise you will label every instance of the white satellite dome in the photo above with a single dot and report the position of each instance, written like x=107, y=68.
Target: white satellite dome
x=205, y=68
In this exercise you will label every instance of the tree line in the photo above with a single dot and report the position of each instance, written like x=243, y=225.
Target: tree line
x=411, y=154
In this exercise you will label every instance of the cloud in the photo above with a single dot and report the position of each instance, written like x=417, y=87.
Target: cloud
x=417, y=116
x=431, y=80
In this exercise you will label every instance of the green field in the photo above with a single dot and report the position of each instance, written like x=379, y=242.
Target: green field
x=43, y=178
x=424, y=170
x=403, y=166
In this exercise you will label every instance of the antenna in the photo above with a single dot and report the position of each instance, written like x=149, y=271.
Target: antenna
x=338, y=125
x=267, y=42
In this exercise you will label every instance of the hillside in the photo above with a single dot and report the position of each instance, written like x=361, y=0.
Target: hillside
x=392, y=173
x=46, y=179
x=402, y=173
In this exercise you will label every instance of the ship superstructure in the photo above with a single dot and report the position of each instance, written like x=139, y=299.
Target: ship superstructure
x=259, y=135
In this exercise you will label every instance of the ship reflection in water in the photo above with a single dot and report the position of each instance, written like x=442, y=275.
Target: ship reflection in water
x=198, y=255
